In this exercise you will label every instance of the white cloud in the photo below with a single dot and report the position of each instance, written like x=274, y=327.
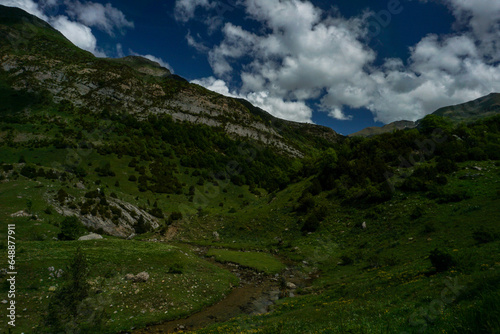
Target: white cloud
x=302, y=55
x=185, y=9
x=483, y=18
x=104, y=17
x=200, y=47
x=77, y=33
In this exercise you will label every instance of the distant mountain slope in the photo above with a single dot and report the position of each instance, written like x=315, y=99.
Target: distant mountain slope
x=483, y=107
x=376, y=130
x=466, y=112
x=36, y=57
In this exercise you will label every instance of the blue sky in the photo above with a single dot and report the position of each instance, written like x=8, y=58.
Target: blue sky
x=346, y=64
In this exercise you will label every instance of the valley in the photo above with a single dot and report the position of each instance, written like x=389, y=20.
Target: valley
x=209, y=215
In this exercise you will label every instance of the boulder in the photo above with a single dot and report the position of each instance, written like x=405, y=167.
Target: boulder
x=91, y=236
x=141, y=277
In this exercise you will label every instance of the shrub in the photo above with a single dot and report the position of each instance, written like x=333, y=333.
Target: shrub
x=446, y=166
x=346, y=260
x=440, y=260
x=71, y=229
x=417, y=213
x=7, y=168
x=156, y=212
x=477, y=154
x=306, y=203
x=62, y=195
x=176, y=268
x=142, y=226
x=175, y=216
x=483, y=235
x=429, y=227
x=311, y=224
x=29, y=172
x=92, y=194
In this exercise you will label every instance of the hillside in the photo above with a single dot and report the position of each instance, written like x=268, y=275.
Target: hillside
x=388, y=128
x=205, y=214
x=466, y=112
x=486, y=106
x=131, y=85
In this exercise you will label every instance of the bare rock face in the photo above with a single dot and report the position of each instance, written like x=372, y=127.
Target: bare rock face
x=119, y=227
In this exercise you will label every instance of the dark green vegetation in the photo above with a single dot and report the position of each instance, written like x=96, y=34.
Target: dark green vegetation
x=401, y=229
x=259, y=261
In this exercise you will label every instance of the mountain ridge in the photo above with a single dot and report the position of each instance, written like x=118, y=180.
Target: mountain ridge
x=485, y=106
x=134, y=85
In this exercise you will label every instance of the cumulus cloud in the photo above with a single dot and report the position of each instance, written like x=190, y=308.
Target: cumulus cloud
x=483, y=18
x=104, y=17
x=303, y=56
x=77, y=33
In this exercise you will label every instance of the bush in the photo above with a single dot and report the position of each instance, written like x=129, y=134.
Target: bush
x=156, y=212
x=142, y=226
x=346, y=260
x=311, y=224
x=62, y=195
x=446, y=166
x=417, y=213
x=71, y=229
x=175, y=216
x=440, y=260
x=483, y=235
x=306, y=203
x=176, y=268
x=29, y=172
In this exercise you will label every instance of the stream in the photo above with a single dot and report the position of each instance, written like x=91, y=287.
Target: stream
x=255, y=294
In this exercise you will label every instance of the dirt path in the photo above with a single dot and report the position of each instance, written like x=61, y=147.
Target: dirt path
x=254, y=295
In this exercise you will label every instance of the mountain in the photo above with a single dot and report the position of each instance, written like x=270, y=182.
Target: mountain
x=483, y=107
x=133, y=85
x=377, y=130
x=466, y=112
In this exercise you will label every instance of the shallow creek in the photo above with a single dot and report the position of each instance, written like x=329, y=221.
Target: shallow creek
x=255, y=294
